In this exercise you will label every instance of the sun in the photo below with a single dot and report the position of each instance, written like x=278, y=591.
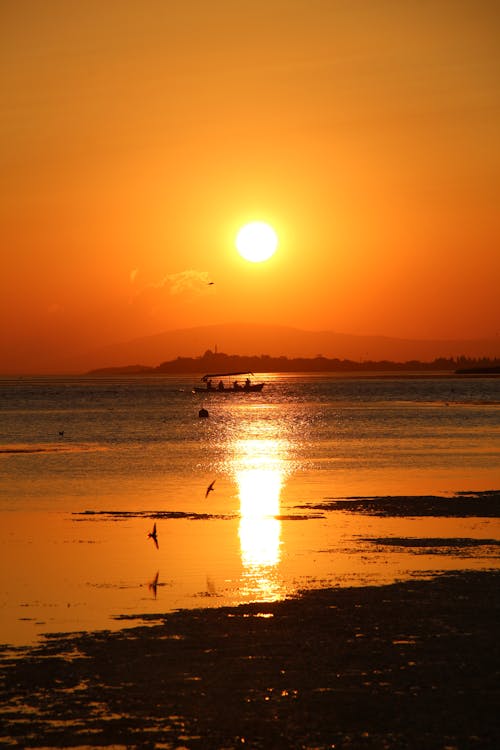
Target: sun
x=256, y=241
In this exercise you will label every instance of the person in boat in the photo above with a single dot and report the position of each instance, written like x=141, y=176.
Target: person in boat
x=221, y=385
x=236, y=386
x=209, y=385
x=247, y=384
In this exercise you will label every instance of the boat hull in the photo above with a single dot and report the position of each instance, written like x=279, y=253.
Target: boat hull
x=254, y=387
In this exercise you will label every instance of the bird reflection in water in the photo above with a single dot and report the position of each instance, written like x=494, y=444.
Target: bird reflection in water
x=153, y=586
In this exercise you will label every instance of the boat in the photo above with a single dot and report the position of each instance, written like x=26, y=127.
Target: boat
x=227, y=386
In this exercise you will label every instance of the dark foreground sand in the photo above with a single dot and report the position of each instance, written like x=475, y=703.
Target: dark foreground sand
x=411, y=665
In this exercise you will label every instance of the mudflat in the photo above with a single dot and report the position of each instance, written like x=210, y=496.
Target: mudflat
x=410, y=665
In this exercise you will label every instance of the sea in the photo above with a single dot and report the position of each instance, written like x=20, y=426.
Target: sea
x=89, y=464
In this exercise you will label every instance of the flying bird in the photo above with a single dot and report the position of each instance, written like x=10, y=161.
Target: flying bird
x=210, y=283
x=210, y=489
x=154, y=536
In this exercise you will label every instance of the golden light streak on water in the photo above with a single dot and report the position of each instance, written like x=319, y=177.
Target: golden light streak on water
x=259, y=469
x=259, y=530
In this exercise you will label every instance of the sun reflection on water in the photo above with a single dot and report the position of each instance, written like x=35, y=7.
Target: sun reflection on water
x=259, y=531
x=260, y=468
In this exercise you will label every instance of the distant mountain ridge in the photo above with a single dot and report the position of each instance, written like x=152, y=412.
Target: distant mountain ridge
x=255, y=340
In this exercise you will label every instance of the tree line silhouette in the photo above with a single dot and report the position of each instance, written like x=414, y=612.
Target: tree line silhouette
x=219, y=362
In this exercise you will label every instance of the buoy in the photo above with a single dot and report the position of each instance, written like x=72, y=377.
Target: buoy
x=203, y=413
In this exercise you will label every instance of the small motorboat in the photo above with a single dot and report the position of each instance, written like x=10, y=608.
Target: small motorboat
x=226, y=384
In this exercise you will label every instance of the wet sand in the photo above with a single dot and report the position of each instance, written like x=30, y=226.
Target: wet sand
x=461, y=505
x=409, y=665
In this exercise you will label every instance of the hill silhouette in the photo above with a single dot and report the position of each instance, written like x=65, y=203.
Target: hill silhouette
x=277, y=341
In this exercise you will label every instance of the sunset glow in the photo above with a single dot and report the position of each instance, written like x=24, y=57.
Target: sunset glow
x=249, y=373
x=138, y=143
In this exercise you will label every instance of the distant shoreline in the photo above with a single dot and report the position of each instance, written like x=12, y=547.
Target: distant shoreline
x=219, y=362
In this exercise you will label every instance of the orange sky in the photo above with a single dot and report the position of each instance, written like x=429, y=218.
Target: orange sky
x=137, y=137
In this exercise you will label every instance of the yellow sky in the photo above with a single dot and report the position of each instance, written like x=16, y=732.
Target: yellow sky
x=137, y=137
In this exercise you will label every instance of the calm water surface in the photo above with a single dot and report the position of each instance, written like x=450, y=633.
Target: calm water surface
x=76, y=508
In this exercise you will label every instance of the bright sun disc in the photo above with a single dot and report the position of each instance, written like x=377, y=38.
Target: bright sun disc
x=256, y=241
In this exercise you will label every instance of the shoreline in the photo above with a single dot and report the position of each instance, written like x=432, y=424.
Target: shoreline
x=404, y=665
x=344, y=541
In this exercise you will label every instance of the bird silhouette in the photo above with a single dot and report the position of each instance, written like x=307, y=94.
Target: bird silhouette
x=61, y=433
x=154, y=536
x=210, y=489
x=153, y=586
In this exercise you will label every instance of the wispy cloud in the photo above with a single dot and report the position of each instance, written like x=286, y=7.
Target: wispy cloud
x=184, y=286
x=186, y=281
